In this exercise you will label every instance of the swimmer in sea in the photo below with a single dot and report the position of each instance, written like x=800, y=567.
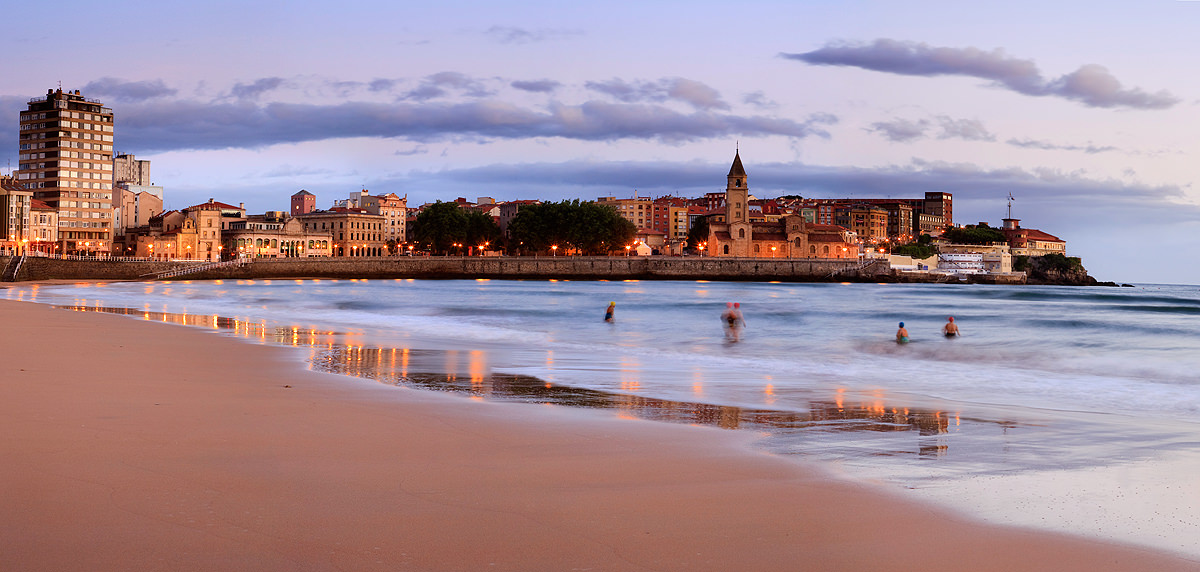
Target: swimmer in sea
x=608, y=314
x=950, y=329
x=733, y=321
x=902, y=335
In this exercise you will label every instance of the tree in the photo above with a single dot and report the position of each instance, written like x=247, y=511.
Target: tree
x=974, y=235
x=481, y=229
x=440, y=225
x=915, y=250
x=590, y=227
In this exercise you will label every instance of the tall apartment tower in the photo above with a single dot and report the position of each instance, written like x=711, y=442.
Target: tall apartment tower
x=66, y=159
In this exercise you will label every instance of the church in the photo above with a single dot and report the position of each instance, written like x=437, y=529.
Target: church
x=790, y=237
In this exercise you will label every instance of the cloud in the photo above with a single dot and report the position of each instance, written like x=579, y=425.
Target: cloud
x=175, y=125
x=121, y=90
x=903, y=130
x=442, y=83
x=416, y=150
x=759, y=99
x=1048, y=146
x=537, y=86
x=1091, y=84
x=694, y=93
x=514, y=35
x=254, y=90
x=968, y=129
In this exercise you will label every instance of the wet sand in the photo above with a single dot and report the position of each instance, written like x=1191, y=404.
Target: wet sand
x=138, y=446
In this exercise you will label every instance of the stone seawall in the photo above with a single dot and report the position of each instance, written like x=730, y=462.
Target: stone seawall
x=562, y=267
x=35, y=268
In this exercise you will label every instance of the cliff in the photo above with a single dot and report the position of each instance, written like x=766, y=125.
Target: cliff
x=1057, y=269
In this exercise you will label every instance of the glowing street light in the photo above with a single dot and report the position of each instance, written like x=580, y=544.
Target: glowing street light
x=554, y=250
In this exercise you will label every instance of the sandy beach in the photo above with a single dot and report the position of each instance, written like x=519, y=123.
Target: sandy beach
x=137, y=446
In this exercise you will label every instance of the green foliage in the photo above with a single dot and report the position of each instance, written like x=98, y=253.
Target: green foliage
x=924, y=239
x=973, y=235
x=1020, y=263
x=481, y=229
x=1060, y=262
x=440, y=225
x=915, y=250
x=1047, y=263
x=590, y=227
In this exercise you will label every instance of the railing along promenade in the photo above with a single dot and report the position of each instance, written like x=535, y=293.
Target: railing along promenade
x=459, y=267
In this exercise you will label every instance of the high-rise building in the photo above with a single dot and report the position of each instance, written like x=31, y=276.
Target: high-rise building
x=66, y=159
x=128, y=169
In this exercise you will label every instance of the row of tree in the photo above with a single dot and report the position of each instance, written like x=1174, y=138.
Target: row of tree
x=587, y=227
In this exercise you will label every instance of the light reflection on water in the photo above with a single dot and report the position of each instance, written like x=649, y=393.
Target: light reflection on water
x=854, y=428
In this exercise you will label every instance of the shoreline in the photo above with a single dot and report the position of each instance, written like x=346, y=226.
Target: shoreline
x=35, y=269
x=145, y=452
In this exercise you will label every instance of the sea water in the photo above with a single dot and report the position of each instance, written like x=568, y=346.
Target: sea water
x=1075, y=408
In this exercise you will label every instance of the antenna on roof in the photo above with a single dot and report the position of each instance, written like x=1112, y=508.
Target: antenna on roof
x=1010, y=200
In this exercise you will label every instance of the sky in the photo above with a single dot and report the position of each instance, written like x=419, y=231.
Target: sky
x=1085, y=112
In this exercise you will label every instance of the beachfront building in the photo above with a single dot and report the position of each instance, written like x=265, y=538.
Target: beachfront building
x=789, y=237
x=43, y=227
x=973, y=258
x=354, y=231
x=1031, y=242
x=65, y=146
x=394, y=210
x=275, y=234
x=170, y=235
x=16, y=203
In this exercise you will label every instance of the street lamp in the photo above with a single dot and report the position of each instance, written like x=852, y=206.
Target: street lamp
x=627, y=247
x=554, y=250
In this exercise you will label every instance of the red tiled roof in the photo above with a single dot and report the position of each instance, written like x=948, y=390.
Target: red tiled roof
x=212, y=205
x=1032, y=234
x=40, y=205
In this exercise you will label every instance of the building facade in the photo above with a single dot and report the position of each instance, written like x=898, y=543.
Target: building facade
x=16, y=204
x=43, y=225
x=276, y=235
x=1031, y=242
x=66, y=160
x=789, y=237
x=128, y=169
x=354, y=231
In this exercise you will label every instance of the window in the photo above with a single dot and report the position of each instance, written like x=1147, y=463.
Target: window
x=741, y=233
x=725, y=249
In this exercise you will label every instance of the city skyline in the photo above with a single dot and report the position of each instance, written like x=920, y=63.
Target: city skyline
x=1077, y=109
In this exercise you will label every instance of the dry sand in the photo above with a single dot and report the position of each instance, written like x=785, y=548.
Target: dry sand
x=129, y=445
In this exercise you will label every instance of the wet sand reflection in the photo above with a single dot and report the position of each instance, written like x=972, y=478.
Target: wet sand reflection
x=838, y=427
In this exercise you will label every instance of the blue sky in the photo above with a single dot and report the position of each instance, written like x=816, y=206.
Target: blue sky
x=1085, y=111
